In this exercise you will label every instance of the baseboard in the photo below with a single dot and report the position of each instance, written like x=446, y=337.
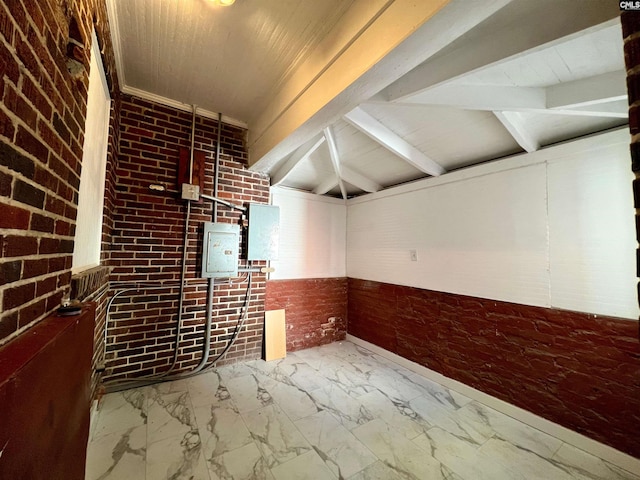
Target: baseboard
x=610, y=454
x=94, y=418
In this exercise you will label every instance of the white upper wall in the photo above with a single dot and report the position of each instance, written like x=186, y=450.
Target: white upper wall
x=312, y=235
x=551, y=228
x=483, y=236
x=592, y=239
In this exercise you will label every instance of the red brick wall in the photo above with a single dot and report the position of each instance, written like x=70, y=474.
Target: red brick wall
x=148, y=233
x=316, y=310
x=42, y=118
x=576, y=369
x=99, y=291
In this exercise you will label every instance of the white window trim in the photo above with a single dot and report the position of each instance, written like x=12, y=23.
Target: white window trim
x=88, y=235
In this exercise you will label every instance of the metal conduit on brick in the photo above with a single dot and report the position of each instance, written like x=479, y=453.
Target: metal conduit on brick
x=147, y=243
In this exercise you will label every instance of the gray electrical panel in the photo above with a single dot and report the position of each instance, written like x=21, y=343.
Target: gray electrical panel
x=264, y=232
x=220, y=250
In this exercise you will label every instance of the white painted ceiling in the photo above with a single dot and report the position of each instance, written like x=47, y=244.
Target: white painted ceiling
x=227, y=59
x=523, y=77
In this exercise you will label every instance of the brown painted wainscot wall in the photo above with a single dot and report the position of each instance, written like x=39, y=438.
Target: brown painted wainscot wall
x=579, y=370
x=45, y=394
x=316, y=310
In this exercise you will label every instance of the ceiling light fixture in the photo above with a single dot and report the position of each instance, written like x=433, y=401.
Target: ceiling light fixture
x=222, y=3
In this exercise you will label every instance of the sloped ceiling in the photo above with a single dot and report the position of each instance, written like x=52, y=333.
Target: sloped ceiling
x=418, y=93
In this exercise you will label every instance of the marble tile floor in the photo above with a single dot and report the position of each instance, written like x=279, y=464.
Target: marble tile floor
x=334, y=412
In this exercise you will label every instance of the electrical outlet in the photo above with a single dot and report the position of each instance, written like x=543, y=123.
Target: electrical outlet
x=414, y=255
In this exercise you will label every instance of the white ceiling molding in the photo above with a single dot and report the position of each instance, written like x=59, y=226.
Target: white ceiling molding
x=392, y=142
x=335, y=159
x=412, y=33
x=514, y=40
x=180, y=106
x=298, y=156
x=605, y=88
x=515, y=125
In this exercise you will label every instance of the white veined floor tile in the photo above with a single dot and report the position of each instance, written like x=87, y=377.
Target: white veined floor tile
x=459, y=455
x=296, y=402
x=495, y=460
x=173, y=386
x=349, y=411
x=245, y=463
x=233, y=371
x=221, y=428
x=248, y=393
x=118, y=456
x=378, y=471
x=293, y=368
x=170, y=415
x=177, y=458
x=519, y=463
x=434, y=413
x=393, y=385
x=276, y=436
x=584, y=466
x=207, y=388
x=341, y=451
x=121, y=411
x=449, y=399
x=308, y=466
x=508, y=429
x=398, y=452
x=332, y=412
x=397, y=414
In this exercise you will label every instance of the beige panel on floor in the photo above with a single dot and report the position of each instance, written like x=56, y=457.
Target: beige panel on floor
x=275, y=338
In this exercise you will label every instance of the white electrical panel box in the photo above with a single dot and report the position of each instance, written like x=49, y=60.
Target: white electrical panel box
x=264, y=232
x=220, y=250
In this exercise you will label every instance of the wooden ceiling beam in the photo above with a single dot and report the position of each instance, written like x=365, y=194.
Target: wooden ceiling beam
x=358, y=180
x=592, y=96
x=335, y=159
x=393, y=142
x=514, y=124
x=326, y=186
x=515, y=39
x=483, y=97
x=377, y=42
x=605, y=88
x=301, y=154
